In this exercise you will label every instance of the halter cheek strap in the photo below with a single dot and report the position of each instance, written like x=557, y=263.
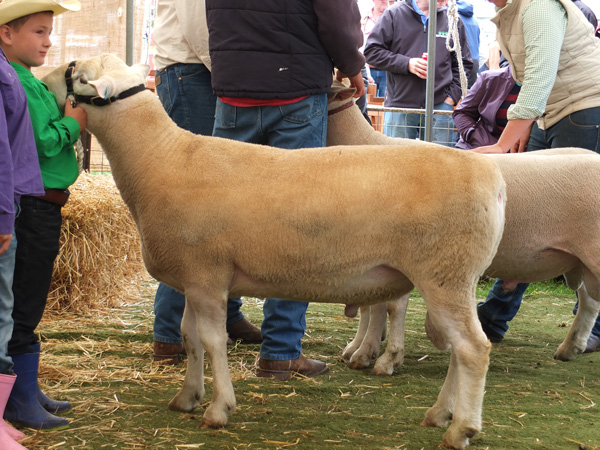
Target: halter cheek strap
x=96, y=100
x=69, y=78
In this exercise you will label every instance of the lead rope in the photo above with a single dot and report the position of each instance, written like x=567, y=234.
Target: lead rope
x=453, y=34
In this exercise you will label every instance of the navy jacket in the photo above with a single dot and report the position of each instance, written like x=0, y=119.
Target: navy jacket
x=268, y=49
x=399, y=35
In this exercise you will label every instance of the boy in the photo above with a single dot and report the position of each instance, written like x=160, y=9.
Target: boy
x=19, y=174
x=25, y=28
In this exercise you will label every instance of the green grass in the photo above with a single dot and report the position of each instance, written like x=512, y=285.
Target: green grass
x=102, y=364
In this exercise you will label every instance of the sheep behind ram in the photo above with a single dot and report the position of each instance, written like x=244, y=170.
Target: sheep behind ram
x=552, y=227
x=220, y=218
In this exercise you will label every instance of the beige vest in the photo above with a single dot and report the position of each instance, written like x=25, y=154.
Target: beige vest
x=577, y=84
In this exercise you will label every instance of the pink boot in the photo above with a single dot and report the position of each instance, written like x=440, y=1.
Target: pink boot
x=7, y=433
x=12, y=431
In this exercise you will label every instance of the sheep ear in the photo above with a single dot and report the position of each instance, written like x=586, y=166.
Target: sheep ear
x=345, y=94
x=142, y=69
x=103, y=86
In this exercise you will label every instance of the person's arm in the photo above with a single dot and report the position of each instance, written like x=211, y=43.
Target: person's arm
x=7, y=189
x=544, y=28
x=52, y=131
x=339, y=28
x=493, y=61
x=514, y=138
x=377, y=48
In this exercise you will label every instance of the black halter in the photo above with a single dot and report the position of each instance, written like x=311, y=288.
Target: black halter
x=96, y=100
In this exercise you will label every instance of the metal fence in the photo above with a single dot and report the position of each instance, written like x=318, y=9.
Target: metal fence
x=443, y=131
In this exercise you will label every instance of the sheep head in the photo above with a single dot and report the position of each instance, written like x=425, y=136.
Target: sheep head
x=339, y=95
x=102, y=76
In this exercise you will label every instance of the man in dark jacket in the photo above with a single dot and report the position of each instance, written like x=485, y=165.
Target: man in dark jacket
x=396, y=44
x=272, y=63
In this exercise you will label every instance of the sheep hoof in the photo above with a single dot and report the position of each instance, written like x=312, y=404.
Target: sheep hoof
x=358, y=362
x=566, y=352
x=382, y=371
x=436, y=418
x=215, y=416
x=185, y=403
x=457, y=439
x=210, y=425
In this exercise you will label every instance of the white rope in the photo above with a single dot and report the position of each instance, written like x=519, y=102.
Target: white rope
x=453, y=34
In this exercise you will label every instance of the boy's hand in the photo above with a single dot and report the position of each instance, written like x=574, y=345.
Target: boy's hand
x=4, y=242
x=77, y=113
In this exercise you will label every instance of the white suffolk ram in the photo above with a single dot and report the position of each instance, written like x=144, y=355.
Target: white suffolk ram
x=552, y=227
x=220, y=218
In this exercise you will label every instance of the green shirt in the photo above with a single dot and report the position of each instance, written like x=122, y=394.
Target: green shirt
x=54, y=134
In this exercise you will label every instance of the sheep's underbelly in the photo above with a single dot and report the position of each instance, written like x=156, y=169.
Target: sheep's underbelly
x=377, y=284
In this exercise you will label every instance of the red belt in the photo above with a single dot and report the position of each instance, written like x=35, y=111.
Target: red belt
x=58, y=196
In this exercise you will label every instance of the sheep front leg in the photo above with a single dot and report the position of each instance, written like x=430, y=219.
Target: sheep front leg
x=209, y=326
x=371, y=341
x=393, y=357
x=192, y=392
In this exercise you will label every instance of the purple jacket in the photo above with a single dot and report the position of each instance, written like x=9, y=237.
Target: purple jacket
x=19, y=165
x=475, y=116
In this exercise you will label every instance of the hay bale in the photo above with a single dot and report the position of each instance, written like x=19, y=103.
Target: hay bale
x=99, y=264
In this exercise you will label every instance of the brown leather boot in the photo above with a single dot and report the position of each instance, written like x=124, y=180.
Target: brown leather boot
x=283, y=370
x=245, y=332
x=167, y=354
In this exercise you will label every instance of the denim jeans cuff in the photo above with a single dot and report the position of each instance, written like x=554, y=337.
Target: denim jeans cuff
x=280, y=356
x=165, y=340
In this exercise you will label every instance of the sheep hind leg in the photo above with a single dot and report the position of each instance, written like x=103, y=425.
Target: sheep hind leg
x=363, y=323
x=371, y=341
x=393, y=357
x=192, y=392
x=461, y=396
x=576, y=339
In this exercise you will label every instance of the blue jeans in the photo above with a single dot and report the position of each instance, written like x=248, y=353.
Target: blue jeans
x=7, y=270
x=38, y=233
x=379, y=76
x=579, y=129
x=168, y=311
x=300, y=125
x=412, y=125
x=186, y=93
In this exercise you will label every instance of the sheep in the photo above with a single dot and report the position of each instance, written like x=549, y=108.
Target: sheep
x=220, y=218
x=552, y=227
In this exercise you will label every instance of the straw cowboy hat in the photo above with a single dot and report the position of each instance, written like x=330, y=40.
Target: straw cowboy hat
x=13, y=9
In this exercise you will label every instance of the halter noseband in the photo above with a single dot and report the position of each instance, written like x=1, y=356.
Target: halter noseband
x=96, y=100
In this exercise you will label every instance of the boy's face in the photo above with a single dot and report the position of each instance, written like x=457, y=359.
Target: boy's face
x=29, y=44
